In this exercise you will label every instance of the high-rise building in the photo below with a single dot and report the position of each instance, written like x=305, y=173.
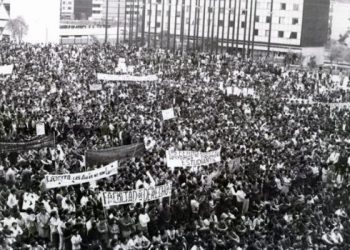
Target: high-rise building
x=239, y=25
x=82, y=9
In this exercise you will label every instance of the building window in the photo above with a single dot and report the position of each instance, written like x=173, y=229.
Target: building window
x=267, y=33
x=244, y=12
x=159, y=13
x=296, y=7
x=268, y=5
x=187, y=20
x=221, y=23
x=295, y=21
x=222, y=10
x=256, y=32
x=257, y=19
x=96, y=12
x=293, y=35
x=283, y=6
x=187, y=8
x=159, y=1
x=210, y=9
x=243, y=24
x=280, y=34
x=281, y=20
x=268, y=19
x=178, y=13
x=96, y=5
x=158, y=25
x=231, y=23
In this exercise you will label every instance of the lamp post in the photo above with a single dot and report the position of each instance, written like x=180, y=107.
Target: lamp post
x=106, y=24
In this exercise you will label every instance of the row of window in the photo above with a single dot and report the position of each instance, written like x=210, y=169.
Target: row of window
x=281, y=34
x=283, y=6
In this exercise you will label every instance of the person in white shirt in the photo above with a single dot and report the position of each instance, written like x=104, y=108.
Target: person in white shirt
x=144, y=220
x=76, y=241
x=141, y=242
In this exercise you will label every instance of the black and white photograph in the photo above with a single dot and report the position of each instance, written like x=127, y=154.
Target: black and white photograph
x=174, y=124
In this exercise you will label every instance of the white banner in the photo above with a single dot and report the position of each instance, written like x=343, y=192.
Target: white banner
x=342, y=105
x=6, y=69
x=40, y=129
x=192, y=158
x=126, y=78
x=229, y=90
x=63, y=180
x=168, y=114
x=95, y=87
x=137, y=195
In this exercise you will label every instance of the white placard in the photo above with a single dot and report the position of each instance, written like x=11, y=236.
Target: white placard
x=95, y=87
x=40, y=129
x=126, y=78
x=192, y=158
x=6, y=69
x=168, y=114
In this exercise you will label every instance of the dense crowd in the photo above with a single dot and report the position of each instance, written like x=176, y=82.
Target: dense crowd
x=282, y=183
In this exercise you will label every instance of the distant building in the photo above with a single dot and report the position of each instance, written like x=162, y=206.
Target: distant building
x=67, y=9
x=4, y=18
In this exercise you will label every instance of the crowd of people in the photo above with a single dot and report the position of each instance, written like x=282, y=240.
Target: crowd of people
x=282, y=183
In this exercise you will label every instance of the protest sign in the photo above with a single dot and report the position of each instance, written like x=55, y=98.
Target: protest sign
x=40, y=129
x=136, y=195
x=6, y=69
x=63, y=180
x=95, y=87
x=126, y=78
x=168, y=114
x=105, y=156
x=192, y=158
x=229, y=90
x=29, y=201
x=42, y=142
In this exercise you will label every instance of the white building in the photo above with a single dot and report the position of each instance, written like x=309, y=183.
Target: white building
x=67, y=9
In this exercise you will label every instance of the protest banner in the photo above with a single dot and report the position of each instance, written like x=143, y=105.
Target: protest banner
x=105, y=156
x=126, y=78
x=341, y=105
x=168, y=114
x=42, y=142
x=40, y=129
x=6, y=69
x=64, y=180
x=192, y=158
x=136, y=195
x=95, y=87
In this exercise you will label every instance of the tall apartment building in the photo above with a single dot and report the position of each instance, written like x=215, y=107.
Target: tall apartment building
x=266, y=25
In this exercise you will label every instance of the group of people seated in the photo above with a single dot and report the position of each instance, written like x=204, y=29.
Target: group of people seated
x=282, y=182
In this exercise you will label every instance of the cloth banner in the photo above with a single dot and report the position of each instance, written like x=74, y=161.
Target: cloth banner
x=105, y=156
x=95, y=87
x=40, y=129
x=6, y=69
x=127, y=78
x=168, y=114
x=192, y=158
x=42, y=142
x=63, y=180
x=136, y=195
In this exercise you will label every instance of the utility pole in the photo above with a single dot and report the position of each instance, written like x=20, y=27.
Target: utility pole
x=270, y=28
x=106, y=25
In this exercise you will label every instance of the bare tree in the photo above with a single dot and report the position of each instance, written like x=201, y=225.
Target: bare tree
x=18, y=28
